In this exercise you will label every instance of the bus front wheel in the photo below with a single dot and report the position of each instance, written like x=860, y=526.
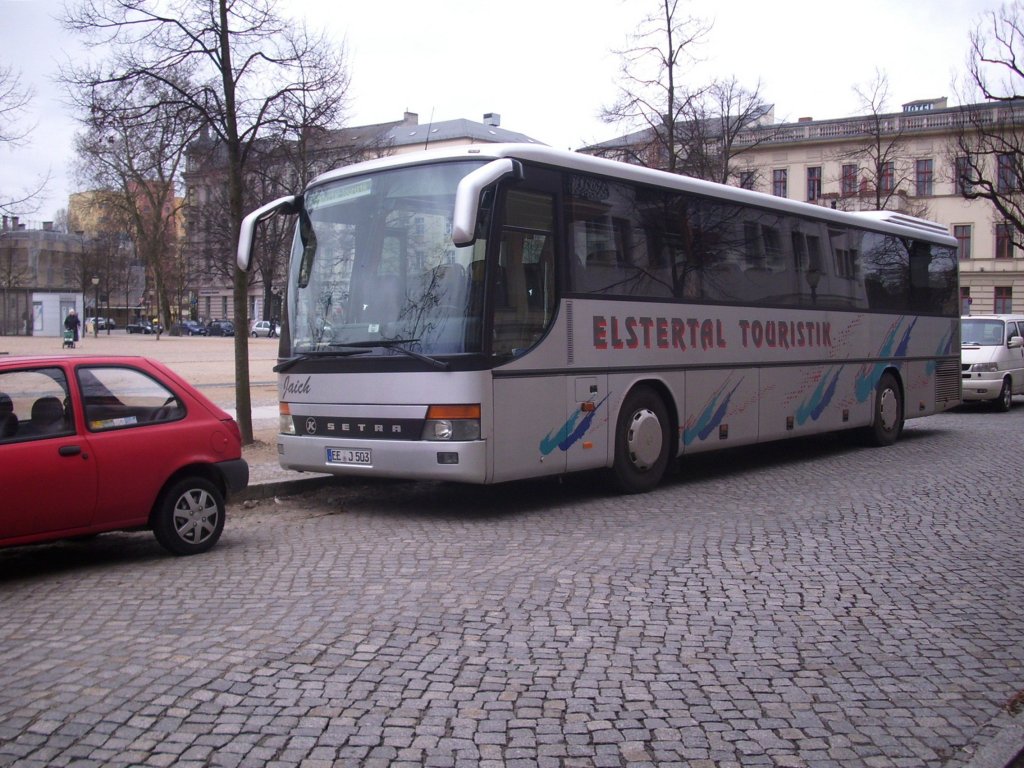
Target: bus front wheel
x=642, y=441
x=887, y=425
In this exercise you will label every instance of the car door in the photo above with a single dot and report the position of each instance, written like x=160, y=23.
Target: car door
x=49, y=479
x=138, y=436
x=1015, y=354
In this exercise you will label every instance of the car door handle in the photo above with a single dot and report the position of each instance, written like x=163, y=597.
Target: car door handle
x=69, y=450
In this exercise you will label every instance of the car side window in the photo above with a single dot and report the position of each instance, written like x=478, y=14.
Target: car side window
x=34, y=405
x=1011, y=331
x=120, y=398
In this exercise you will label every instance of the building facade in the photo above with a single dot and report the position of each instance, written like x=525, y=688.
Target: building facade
x=40, y=278
x=905, y=161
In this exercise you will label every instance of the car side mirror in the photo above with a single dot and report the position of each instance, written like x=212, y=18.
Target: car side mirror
x=1016, y=342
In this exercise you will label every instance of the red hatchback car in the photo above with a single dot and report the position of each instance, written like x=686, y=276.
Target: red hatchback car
x=97, y=443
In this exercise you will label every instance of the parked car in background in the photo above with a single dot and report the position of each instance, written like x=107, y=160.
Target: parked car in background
x=268, y=328
x=992, y=358
x=99, y=443
x=103, y=323
x=188, y=328
x=220, y=328
x=143, y=326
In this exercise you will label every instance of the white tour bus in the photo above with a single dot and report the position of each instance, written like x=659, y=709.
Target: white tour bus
x=496, y=312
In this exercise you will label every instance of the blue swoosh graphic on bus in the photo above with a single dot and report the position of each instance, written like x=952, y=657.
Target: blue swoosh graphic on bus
x=815, y=405
x=569, y=433
x=901, y=350
x=865, y=380
x=711, y=416
x=945, y=347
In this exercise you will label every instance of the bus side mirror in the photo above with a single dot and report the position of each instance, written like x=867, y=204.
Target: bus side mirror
x=288, y=205
x=467, y=196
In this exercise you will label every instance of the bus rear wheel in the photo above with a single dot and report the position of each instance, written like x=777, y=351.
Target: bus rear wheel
x=642, y=441
x=887, y=424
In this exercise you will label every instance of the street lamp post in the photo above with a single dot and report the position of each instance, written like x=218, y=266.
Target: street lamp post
x=96, y=308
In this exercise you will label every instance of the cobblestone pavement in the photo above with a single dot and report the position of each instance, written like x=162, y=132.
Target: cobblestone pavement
x=813, y=603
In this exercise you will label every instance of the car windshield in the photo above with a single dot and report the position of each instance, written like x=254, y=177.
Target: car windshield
x=374, y=265
x=982, y=333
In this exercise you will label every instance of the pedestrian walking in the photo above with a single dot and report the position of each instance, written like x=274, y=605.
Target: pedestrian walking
x=72, y=323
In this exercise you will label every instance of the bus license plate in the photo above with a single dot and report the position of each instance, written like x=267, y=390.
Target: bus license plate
x=349, y=456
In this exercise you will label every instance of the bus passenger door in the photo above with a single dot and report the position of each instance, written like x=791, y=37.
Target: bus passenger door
x=586, y=435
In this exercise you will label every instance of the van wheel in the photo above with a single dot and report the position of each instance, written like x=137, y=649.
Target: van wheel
x=642, y=441
x=1005, y=399
x=189, y=516
x=887, y=424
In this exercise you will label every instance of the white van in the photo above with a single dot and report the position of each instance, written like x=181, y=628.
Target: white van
x=992, y=358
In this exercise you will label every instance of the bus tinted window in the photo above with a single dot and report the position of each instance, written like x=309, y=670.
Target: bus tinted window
x=639, y=242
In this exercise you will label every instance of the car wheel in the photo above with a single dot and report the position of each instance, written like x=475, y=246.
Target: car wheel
x=1004, y=402
x=254, y=334
x=642, y=441
x=189, y=516
x=887, y=424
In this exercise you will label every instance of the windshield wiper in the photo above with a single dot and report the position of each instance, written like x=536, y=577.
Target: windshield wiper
x=325, y=354
x=397, y=345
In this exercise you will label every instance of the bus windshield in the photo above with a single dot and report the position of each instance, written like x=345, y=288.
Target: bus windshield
x=374, y=267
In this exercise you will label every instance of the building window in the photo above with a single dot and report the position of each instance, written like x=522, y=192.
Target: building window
x=813, y=183
x=779, y=183
x=1003, y=300
x=887, y=182
x=963, y=176
x=965, y=300
x=924, y=178
x=1004, y=240
x=962, y=233
x=747, y=179
x=848, y=182
x=1007, y=178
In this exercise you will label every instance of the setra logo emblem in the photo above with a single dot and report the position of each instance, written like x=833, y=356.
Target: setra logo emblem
x=311, y=425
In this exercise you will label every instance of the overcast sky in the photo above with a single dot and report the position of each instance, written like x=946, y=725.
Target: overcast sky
x=546, y=66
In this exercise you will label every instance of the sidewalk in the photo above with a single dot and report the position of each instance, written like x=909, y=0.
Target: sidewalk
x=208, y=363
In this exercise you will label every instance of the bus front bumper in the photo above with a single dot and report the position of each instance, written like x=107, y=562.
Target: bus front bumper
x=464, y=462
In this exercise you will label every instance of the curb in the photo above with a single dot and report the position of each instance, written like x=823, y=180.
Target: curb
x=1000, y=750
x=261, y=491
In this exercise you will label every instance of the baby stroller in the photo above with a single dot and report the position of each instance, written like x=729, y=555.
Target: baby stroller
x=69, y=339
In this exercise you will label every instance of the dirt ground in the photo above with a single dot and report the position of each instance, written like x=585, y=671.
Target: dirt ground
x=207, y=363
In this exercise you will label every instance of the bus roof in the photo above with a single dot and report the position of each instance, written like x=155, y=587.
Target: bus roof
x=883, y=221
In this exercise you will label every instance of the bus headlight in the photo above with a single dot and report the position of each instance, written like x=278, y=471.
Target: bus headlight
x=985, y=367
x=454, y=423
x=286, y=425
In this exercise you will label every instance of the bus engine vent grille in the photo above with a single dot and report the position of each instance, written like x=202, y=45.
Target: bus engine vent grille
x=570, y=354
x=947, y=381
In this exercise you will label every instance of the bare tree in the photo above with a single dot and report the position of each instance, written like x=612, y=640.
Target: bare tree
x=988, y=153
x=684, y=129
x=133, y=147
x=713, y=125
x=244, y=64
x=14, y=100
x=884, y=178
x=652, y=93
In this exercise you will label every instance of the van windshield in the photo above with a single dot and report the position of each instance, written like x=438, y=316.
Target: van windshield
x=982, y=333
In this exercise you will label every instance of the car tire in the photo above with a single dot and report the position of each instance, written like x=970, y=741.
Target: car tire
x=1004, y=402
x=188, y=518
x=642, y=441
